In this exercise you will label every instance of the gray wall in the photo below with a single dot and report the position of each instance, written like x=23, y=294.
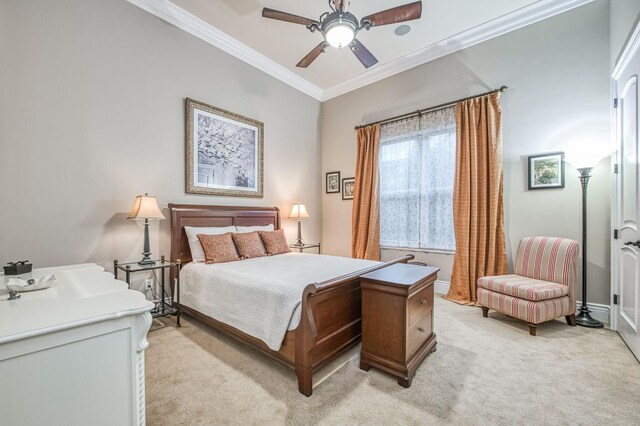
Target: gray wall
x=92, y=114
x=624, y=17
x=557, y=71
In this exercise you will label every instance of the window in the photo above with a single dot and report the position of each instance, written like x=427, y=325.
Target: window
x=417, y=167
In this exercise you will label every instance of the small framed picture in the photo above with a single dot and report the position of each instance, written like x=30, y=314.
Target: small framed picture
x=546, y=170
x=333, y=182
x=348, y=186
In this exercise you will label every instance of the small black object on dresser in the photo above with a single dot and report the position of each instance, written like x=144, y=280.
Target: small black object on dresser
x=17, y=268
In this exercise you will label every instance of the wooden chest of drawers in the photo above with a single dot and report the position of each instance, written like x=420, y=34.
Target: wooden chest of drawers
x=397, y=319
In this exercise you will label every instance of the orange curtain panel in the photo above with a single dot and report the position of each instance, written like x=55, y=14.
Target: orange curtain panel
x=478, y=215
x=365, y=217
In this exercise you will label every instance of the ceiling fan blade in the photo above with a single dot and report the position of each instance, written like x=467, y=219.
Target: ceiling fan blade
x=311, y=56
x=397, y=14
x=363, y=54
x=287, y=17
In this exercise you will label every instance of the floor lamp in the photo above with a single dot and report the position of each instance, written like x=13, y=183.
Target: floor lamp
x=584, y=316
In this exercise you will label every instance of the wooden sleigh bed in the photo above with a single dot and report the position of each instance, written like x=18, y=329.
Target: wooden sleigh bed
x=330, y=321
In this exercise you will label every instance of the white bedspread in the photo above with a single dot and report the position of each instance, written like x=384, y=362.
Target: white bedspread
x=261, y=297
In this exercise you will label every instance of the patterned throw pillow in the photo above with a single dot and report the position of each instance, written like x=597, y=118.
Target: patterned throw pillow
x=249, y=245
x=275, y=242
x=218, y=248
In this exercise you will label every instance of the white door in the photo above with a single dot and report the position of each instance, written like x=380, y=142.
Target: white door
x=627, y=217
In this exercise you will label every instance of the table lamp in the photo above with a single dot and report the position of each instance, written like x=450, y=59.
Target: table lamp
x=146, y=207
x=299, y=211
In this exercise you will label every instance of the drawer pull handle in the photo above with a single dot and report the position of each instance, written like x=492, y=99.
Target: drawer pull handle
x=423, y=302
x=421, y=329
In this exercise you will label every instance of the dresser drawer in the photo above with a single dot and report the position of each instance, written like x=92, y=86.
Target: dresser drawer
x=420, y=303
x=418, y=333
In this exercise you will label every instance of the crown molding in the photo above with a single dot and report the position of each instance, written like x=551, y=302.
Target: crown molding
x=520, y=18
x=195, y=26
x=631, y=47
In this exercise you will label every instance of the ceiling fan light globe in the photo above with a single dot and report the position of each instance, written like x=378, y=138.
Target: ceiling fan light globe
x=339, y=35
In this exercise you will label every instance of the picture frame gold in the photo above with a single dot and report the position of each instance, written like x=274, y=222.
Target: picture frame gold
x=224, y=152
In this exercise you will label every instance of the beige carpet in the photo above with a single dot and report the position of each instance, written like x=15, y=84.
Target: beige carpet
x=486, y=371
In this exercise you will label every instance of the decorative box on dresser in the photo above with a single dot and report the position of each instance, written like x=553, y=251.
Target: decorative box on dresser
x=397, y=319
x=73, y=354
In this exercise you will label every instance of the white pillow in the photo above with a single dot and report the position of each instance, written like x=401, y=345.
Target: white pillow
x=197, y=253
x=245, y=229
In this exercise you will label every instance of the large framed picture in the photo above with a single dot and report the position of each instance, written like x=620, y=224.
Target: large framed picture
x=333, y=182
x=224, y=152
x=546, y=170
x=348, y=186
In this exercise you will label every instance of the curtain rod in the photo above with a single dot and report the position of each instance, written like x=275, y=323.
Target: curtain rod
x=433, y=108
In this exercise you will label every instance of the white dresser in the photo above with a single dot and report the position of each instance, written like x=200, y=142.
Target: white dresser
x=73, y=354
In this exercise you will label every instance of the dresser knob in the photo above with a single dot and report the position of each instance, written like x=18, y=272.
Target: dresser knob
x=421, y=329
x=423, y=301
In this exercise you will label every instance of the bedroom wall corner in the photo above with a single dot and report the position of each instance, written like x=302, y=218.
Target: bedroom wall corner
x=92, y=114
x=625, y=15
x=557, y=71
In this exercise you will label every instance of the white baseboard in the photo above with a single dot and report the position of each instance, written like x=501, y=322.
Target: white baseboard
x=598, y=311
x=441, y=287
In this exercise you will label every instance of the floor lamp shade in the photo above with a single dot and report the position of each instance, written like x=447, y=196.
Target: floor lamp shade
x=146, y=207
x=299, y=211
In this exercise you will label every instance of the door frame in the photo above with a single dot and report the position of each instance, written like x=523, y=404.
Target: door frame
x=632, y=46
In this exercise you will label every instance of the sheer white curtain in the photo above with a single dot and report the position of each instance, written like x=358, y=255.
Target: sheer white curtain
x=417, y=167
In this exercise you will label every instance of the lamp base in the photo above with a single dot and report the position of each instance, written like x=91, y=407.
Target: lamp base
x=584, y=319
x=299, y=239
x=146, y=261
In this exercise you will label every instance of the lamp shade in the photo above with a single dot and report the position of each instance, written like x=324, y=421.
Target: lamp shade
x=298, y=211
x=146, y=207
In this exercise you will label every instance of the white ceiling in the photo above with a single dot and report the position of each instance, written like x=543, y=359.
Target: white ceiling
x=444, y=25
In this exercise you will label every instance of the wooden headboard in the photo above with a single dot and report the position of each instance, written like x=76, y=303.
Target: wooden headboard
x=194, y=215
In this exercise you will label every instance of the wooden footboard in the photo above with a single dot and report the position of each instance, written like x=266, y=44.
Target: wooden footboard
x=330, y=322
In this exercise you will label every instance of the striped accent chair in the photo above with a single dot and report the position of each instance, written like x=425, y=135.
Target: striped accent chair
x=543, y=286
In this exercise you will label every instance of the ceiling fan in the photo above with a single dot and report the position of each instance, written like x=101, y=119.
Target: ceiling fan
x=339, y=27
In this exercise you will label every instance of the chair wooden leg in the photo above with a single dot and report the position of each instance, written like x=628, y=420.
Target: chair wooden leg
x=532, y=329
x=571, y=320
x=485, y=311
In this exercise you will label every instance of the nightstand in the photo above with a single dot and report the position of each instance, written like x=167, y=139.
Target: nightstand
x=397, y=319
x=303, y=246
x=162, y=307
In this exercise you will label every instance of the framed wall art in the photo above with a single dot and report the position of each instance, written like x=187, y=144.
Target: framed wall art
x=333, y=182
x=224, y=152
x=546, y=170
x=348, y=186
